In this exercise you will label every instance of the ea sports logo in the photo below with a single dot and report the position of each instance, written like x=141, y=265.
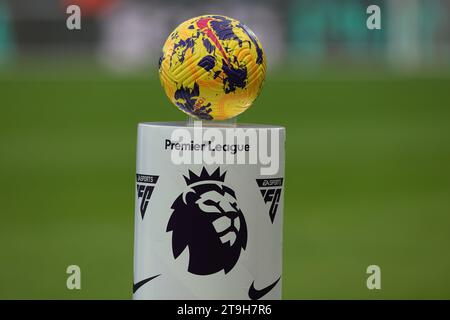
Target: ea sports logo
x=207, y=220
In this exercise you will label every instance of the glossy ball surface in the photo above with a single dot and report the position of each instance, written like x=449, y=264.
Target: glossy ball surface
x=212, y=67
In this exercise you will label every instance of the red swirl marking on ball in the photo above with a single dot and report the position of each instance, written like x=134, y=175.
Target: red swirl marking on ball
x=203, y=24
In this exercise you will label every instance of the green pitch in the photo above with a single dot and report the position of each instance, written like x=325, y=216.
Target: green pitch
x=367, y=181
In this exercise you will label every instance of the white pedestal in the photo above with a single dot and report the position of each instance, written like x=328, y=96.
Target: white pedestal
x=205, y=230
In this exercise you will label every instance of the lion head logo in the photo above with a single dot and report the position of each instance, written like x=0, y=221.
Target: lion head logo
x=206, y=218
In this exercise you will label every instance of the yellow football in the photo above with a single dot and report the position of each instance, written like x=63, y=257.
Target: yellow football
x=212, y=67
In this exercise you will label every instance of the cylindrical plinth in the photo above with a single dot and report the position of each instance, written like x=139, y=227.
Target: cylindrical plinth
x=209, y=211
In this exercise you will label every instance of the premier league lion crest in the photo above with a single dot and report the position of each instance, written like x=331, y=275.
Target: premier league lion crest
x=207, y=220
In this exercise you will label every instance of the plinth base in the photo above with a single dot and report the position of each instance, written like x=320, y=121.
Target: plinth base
x=209, y=212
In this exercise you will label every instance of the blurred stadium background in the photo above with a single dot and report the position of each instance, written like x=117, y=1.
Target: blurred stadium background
x=368, y=148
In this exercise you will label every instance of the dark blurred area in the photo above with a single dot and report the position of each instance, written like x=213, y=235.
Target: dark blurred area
x=127, y=35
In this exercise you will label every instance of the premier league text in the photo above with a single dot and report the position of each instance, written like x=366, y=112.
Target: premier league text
x=232, y=148
x=209, y=145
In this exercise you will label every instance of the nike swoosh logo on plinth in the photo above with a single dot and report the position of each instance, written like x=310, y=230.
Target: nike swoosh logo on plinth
x=136, y=286
x=255, y=294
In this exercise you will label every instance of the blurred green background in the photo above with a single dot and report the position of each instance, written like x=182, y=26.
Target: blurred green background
x=367, y=176
x=368, y=182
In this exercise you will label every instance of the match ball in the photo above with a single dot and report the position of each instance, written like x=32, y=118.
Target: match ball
x=212, y=67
